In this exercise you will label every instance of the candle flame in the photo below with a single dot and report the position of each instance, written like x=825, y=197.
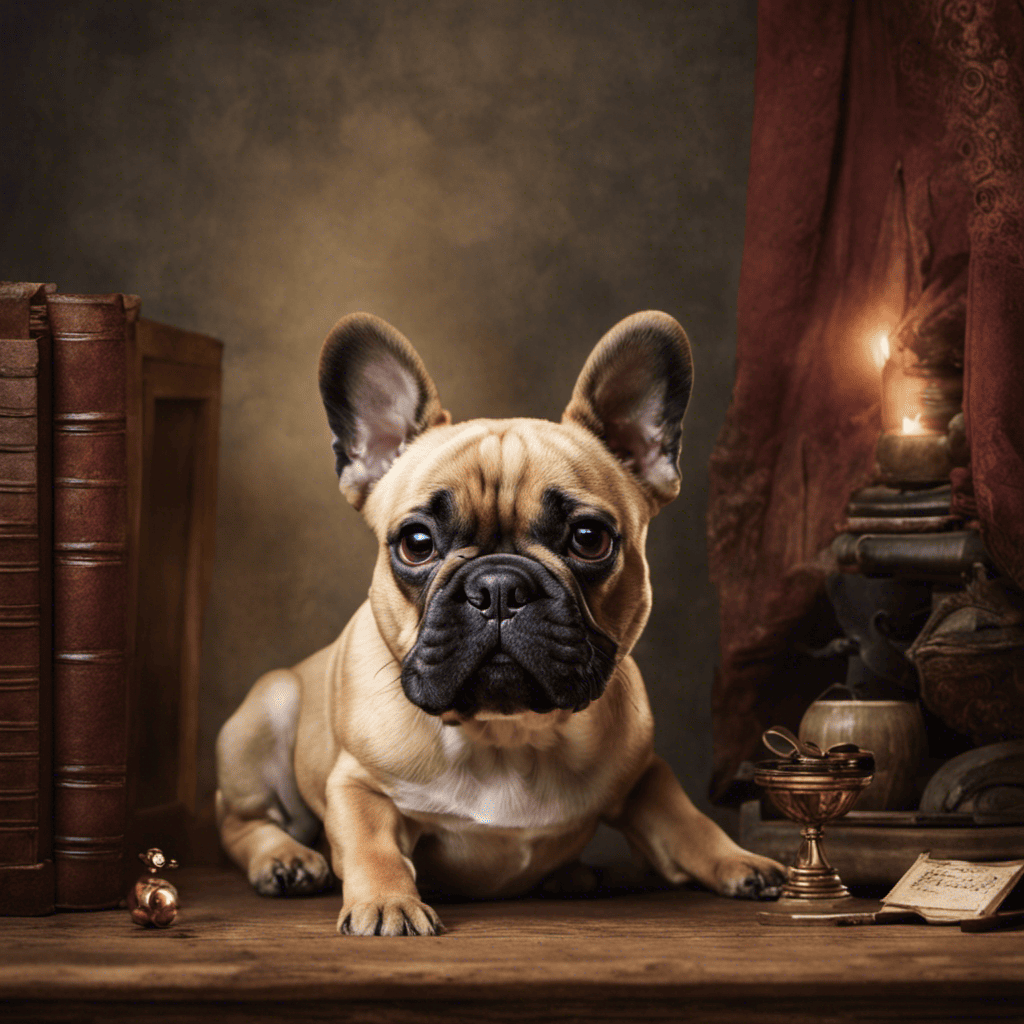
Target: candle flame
x=913, y=426
x=880, y=349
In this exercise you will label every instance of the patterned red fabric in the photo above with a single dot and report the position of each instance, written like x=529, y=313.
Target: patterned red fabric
x=887, y=144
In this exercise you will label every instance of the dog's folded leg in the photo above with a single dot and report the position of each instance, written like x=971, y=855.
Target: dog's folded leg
x=274, y=862
x=371, y=844
x=660, y=821
x=264, y=824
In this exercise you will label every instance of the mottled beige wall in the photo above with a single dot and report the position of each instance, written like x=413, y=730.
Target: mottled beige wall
x=501, y=180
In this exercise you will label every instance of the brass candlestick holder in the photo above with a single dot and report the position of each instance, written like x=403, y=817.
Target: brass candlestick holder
x=813, y=787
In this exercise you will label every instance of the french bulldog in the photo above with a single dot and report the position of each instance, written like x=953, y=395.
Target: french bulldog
x=480, y=714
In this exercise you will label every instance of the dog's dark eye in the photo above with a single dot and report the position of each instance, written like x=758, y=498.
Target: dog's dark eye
x=415, y=545
x=590, y=540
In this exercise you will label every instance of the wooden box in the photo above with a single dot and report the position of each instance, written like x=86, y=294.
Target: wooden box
x=174, y=406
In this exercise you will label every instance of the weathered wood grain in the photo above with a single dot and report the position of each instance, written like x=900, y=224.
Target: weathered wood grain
x=672, y=956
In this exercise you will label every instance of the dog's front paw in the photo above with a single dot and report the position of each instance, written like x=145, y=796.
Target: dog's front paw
x=748, y=876
x=402, y=915
x=299, y=875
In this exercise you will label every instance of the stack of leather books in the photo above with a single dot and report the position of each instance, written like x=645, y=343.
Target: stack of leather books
x=108, y=431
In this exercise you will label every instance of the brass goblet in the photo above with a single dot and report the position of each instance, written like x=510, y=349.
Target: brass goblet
x=813, y=787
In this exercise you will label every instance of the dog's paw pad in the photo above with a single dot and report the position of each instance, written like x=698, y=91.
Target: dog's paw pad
x=400, y=916
x=294, y=876
x=752, y=878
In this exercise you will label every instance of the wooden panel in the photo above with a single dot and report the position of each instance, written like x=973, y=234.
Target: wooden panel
x=164, y=726
x=523, y=1010
x=161, y=341
x=177, y=408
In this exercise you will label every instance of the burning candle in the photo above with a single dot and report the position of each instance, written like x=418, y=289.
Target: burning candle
x=880, y=349
x=914, y=426
x=903, y=390
x=912, y=448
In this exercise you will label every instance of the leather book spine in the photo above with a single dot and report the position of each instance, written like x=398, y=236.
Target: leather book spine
x=26, y=859
x=90, y=567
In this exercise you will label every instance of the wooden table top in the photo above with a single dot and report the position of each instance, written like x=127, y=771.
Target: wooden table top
x=683, y=955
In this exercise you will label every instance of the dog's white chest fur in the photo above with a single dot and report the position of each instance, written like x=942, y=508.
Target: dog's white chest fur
x=490, y=787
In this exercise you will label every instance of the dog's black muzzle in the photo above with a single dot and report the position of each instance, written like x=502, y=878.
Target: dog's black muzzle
x=503, y=634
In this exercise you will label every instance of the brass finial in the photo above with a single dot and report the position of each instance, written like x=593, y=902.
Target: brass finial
x=155, y=858
x=153, y=901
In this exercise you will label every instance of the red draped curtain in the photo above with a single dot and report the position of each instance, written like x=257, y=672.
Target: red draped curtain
x=887, y=154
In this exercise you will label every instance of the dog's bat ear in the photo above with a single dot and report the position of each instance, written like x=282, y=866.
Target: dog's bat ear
x=378, y=397
x=633, y=392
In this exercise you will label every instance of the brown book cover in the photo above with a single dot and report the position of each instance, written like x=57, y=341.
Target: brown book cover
x=26, y=835
x=92, y=344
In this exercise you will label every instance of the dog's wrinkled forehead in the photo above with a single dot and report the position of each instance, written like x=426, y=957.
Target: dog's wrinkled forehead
x=506, y=476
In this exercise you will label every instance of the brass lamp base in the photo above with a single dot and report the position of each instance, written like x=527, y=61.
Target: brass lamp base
x=812, y=877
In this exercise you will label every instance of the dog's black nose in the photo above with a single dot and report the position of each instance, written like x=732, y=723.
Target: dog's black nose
x=498, y=590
